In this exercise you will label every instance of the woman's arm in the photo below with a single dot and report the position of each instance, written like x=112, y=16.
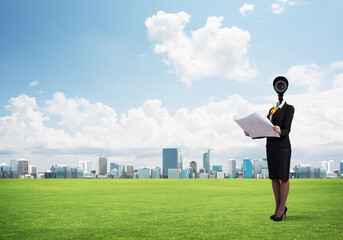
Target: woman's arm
x=287, y=123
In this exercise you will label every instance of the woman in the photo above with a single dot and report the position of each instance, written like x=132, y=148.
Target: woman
x=279, y=149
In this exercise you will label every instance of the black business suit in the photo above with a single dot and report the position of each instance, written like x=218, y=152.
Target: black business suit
x=279, y=149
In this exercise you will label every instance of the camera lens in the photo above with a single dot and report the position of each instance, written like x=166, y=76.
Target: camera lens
x=280, y=86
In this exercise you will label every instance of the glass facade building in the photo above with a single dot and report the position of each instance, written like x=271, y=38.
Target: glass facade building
x=247, y=168
x=101, y=166
x=171, y=160
x=206, y=161
x=264, y=168
x=185, y=173
x=232, y=168
x=217, y=168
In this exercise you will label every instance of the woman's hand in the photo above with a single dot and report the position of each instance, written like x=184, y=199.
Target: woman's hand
x=246, y=134
x=277, y=129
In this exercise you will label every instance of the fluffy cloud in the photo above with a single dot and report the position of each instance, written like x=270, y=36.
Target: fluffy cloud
x=210, y=51
x=245, y=8
x=281, y=5
x=314, y=77
x=34, y=83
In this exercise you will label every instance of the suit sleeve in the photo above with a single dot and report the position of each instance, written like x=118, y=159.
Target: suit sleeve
x=287, y=122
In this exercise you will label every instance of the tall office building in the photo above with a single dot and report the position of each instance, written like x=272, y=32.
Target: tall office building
x=14, y=168
x=129, y=171
x=330, y=166
x=193, y=165
x=264, y=168
x=101, y=166
x=33, y=170
x=247, y=168
x=257, y=168
x=82, y=165
x=341, y=167
x=88, y=166
x=232, y=168
x=23, y=167
x=171, y=160
x=206, y=161
x=325, y=165
x=5, y=171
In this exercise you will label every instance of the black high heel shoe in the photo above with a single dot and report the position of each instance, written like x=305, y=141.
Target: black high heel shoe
x=279, y=219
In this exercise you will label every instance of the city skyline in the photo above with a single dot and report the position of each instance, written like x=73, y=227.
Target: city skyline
x=82, y=80
x=174, y=155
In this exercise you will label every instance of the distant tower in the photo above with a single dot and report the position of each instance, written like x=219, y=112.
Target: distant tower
x=82, y=165
x=101, y=166
x=23, y=167
x=14, y=168
x=88, y=166
x=171, y=160
x=232, y=168
x=193, y=165
x=247, y=168
x=206, y=161
x=330, y=166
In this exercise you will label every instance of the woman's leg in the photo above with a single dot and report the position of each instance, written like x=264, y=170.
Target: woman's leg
x=284, y=194
x=277, y=193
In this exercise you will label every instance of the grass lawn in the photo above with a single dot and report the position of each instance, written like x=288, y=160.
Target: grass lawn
x=167, y=209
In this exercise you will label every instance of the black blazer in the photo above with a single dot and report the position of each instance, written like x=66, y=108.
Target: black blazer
x=283, y=118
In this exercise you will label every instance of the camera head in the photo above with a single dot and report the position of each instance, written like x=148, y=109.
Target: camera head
x=280, y=84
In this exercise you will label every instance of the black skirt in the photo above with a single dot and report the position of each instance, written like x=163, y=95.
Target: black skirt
x=279, y=160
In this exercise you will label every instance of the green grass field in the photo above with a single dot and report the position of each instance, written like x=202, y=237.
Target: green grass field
x=167, y=209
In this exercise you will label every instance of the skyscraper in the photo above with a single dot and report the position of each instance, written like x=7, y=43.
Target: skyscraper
x=33, y=170
x=82, y=165
x=23, y=167
x=88, y=166
x=341, y=167
x=330, y=166
x=193, y=165
x=325, y=164
x=206, y=161
x=247, y=168
x=101, y=166
x=171, y=160
x=14, y=168
x=232, y=168
x=264, y=168
x=257, y=168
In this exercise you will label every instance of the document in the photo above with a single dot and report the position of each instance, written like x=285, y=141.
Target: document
x=256, y=125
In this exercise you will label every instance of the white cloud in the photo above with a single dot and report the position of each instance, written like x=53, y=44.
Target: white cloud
x=210, y=51
x=85, y=128
x=281, y=5
x=34, y=83
x=310, y=75
x=277, y=8
x=245, y=8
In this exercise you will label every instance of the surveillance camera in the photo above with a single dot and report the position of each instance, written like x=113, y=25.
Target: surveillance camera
x=280, y=84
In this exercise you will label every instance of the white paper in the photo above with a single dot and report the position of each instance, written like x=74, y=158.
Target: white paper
x=256, y=125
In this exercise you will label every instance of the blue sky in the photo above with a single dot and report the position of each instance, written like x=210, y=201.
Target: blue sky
x=101, y=51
